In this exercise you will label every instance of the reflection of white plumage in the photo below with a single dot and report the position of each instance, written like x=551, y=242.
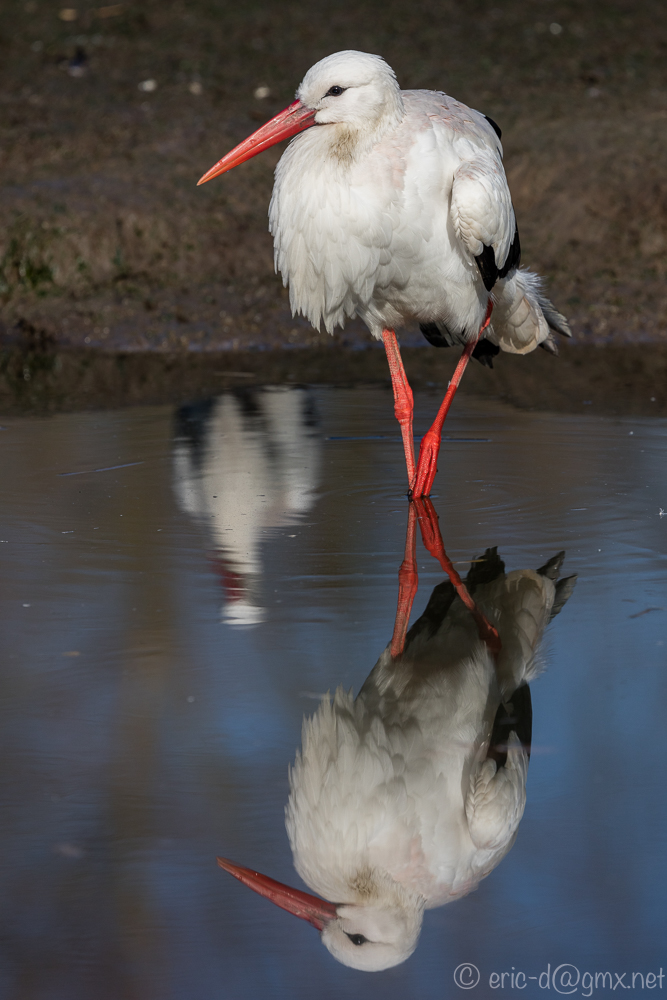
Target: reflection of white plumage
x=243, y=464
x=407, y=796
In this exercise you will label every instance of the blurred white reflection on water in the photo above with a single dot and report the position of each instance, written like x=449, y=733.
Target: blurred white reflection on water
x=142, y=736
x=244, y=463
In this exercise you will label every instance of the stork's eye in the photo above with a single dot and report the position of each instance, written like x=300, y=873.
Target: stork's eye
x=357, y=938
x=334, y=91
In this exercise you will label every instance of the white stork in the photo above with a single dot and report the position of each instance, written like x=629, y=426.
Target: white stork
x=394, y=206
x=404, y=798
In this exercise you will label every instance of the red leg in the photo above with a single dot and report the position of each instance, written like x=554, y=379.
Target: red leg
x=407, y=585
x=432, y=539
x=403, y=405
x=427, y=465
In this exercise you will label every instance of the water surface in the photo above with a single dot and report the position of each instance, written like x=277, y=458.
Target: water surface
x=179, y=588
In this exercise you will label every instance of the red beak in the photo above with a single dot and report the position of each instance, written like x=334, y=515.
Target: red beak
x=317, y=912
x=293, y=119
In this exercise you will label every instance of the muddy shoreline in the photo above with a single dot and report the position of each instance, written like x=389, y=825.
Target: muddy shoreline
x=623, y=380
x=123, y=283
x=108, y=117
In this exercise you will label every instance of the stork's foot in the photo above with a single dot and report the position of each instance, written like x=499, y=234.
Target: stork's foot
x=430, y=528
x=408, y=582
x=432, y=539
x=427, y=465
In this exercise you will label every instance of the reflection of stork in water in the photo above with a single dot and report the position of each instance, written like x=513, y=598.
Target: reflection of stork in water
x=404, y=798
x=244, y=463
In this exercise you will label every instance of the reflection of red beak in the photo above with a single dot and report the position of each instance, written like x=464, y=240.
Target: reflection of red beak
x=317, y=912
x=293, y=119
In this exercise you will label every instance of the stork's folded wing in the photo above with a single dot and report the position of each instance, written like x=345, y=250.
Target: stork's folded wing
x=496, y=799
x=482, y=211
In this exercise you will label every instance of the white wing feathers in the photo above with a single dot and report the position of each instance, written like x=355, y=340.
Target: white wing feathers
x=481, y=205
x=496, y=799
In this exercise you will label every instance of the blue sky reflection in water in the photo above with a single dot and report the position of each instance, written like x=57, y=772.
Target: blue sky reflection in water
x=147, y=728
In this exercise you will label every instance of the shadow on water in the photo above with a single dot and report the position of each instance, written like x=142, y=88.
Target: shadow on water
x=145, y=733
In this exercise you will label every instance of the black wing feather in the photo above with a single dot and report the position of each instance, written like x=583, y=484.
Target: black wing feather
x=494, y=126
x=513, y=257
x=486, y=262
x=515, y=715
x=437, y=336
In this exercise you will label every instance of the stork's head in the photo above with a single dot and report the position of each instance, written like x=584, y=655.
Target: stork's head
x=373, y=937
x=351, y=90
x=369, y=936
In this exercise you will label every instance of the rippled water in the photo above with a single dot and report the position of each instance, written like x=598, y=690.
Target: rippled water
x=180, y=588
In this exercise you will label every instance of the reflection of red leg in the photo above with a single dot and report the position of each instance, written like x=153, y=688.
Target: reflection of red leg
x=432, y=539
x=233, y=584
x=403, y=405
x=407, y=585
x=427, y=465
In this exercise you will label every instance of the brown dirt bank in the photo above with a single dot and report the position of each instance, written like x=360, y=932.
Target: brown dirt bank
x=106, y=241
x=623, y=380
